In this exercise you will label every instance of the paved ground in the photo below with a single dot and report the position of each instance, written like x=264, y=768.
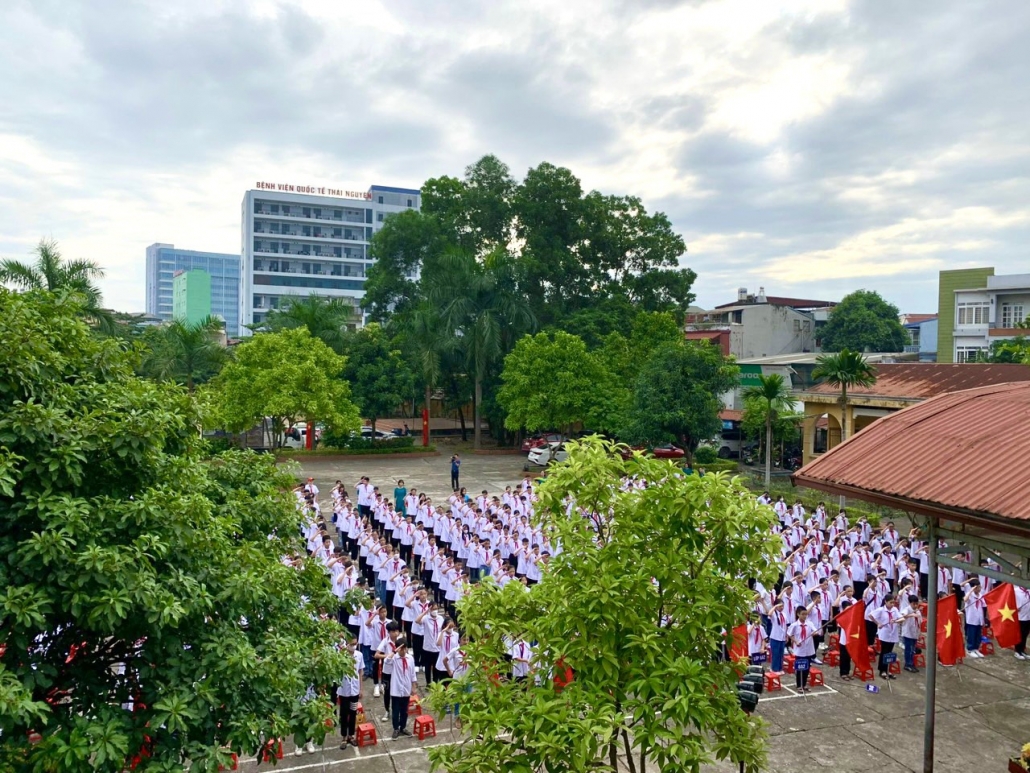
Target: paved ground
x=983, y=707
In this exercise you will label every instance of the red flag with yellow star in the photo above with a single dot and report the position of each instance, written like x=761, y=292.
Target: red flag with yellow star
x=1001, y=609
x=853, y=635
x=950, y=644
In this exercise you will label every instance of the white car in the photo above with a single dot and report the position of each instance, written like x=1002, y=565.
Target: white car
x=544, y=455
x=366, y=434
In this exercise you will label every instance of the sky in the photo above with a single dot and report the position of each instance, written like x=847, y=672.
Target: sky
x=811, y=148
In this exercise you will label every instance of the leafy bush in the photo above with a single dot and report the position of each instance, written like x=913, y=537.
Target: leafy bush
x=705, y=455
x=333, y=439
x=719, y=465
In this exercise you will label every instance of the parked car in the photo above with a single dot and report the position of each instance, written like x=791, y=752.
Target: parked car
x=538, y=440
x=366, y=434
x=544, y=455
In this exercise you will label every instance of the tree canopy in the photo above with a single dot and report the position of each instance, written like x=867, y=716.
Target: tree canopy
x=678, y=395
x=188, y=353
x=636, y=606
x=378, y=376
x=864, y=322
x=50, y=271
x=145, y=610
x=283, y=377
x=551, y=381
x=845, y=369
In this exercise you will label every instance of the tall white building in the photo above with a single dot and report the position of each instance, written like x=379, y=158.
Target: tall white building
x=301, y=239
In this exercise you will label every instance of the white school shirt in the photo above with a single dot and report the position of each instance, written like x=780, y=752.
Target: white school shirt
x=455, y=662
x=520, y=650
x=446, y=642
x=778, y=631
x=802, y=634
x=910, y=627
x=386, y=648
x=755, y=640
x=886, y=620
x=1022, y=603
x=431, y=624
x=974, y=606
x=403, y=674
x=350, y=685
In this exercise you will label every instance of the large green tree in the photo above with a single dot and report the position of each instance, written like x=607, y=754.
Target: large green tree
x=636, y=605
x=773, y=395
x=50, y=271
x=845, y=370
x=864, y=322
x=480, y=301
x=145, y=610
x=379, y=378
x=551, y=381
x=678, y=393
x=281, y=378
x=185, y=352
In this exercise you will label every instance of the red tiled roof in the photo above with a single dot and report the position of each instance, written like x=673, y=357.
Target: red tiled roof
x=917, y=318
x=961, y=456
x=703, y=335
x=920, y=380
x=728, y=414
x=779, y=300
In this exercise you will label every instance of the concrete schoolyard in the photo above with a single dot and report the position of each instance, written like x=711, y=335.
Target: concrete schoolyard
x=983, y=706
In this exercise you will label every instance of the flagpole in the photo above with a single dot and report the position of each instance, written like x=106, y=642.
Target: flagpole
x=930, y=718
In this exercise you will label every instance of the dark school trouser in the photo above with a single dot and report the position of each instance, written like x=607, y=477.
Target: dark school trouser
x=428, y=663
x=398, y=711
x=886, y=647
x=845, y=661
x=1024, y=632
x=348, y=715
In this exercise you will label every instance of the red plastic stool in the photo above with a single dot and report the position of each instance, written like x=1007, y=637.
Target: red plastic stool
x=425, y=727
x=788, y=664
x=919, y=660
x=894, y=668
x=832, y=658
x=866, y=675
x=833, y=641
x=267, y=752
x=414, y=706
x=987, y=648
x=815, y=677
x=772, y=681
x=367, y=735
x=922, y=625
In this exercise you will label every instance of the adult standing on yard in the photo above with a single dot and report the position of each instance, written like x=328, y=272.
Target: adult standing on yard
x=455, y=469
x=399, y=495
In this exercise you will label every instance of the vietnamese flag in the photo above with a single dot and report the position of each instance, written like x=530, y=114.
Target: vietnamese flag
x=950, y=646
x=738, y=645
x=1001, y=608
x=852, y=627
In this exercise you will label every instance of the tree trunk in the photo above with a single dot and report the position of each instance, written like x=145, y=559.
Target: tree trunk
x=461, y=419
x=477, y=441
x=372, y=423
x=768, y=448
x=843, y=413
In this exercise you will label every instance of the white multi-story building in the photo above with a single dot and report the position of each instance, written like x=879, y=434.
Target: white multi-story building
x=985, y=314
x=165, y=260
x=303, y=240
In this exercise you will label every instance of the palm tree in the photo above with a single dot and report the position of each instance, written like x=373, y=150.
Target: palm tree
x=52, y=273
x=186, y=352
x=775, y=396
x=482, y=304
x=325, y=318
x=845, y=369
x=430, y=340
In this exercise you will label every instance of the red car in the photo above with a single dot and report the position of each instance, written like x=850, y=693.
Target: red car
x=536, y=441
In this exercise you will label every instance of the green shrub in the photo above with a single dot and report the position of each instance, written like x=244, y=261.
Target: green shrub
x=381, y=448
x=719, y=465
x=346, y=440
x=705, y=455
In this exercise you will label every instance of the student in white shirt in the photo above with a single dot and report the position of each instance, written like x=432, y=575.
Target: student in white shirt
x=910, y=623
x=402, y=686
x=521, y=654
x=973, y=606
x=888, y=630
x=349, y=693
x=801, y=634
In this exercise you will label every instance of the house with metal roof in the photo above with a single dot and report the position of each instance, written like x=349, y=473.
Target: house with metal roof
x=898, y=385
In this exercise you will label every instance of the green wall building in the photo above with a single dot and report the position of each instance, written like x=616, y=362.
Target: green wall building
x=191, y=296
x=948, y=283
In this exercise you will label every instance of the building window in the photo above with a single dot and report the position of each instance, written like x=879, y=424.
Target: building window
x=410, y=203
x=969, y=353
x=380, y=215
x=1011, y=314
x=380, y=199
x=977, y=313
